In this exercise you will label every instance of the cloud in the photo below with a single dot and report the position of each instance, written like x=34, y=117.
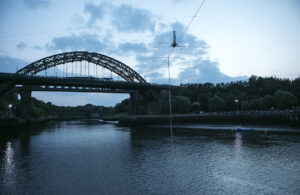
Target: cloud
x=129, y=19
x=11, y=65
x=96, y=12
x=124, y=18
x=205, y=71
x=132, y=47
x=21, y=46
x=88, y=42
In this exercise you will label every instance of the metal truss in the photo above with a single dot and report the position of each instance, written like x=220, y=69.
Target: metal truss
x=124, y=71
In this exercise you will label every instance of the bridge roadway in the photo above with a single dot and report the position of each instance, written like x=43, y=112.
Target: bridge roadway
x=76, y=83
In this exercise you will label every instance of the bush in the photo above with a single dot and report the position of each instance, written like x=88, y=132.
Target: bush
x=216, y=104
x=196, y=107
x=245, y=105
x=256, y=104
x=183, y=104
x=285, y=99
x=269, y=102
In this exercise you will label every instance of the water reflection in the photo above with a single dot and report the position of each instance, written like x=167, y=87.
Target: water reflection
x=9, y=176
x=238, y=142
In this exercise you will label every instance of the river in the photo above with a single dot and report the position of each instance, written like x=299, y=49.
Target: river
x=86, y=157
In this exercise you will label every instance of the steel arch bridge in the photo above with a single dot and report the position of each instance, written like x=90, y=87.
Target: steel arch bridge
x=122, y=70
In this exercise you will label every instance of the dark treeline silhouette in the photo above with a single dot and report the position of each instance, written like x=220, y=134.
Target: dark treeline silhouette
x=257, y=93
x=41, y=109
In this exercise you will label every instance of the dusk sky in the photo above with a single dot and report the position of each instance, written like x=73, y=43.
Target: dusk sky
x=231, y=39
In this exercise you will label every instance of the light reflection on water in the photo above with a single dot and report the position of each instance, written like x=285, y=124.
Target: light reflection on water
x=87, y=158
x=8, y=166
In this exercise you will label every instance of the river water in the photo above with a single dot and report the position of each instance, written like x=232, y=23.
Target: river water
x=84, y=157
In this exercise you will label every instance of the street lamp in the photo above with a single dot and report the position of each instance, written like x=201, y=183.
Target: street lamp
x=9, y=107
x=237, y=104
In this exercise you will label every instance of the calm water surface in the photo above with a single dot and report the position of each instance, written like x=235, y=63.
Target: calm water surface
x=88, y=158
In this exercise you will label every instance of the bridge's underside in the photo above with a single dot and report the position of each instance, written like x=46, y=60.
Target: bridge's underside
x=91, y=82
x=74, y=89
x=69, y=84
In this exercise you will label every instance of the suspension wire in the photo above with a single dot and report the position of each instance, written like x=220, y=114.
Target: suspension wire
x=76, y=70
x=88, y=68
x=66, y=70
x=72, y=68
x=96, y=69
x=187, y=27
x=80, y=67
x=84, y=68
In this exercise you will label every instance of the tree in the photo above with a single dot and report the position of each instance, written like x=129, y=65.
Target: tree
x=183, y=104
x=245, y=105
x=196, y=107
x=256, y=104
x=124, y=106
x=216, y=104
x=269, y=102
x=285, y=99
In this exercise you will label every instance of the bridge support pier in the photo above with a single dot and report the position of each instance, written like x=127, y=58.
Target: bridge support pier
x=133, y=104
x=25, y=93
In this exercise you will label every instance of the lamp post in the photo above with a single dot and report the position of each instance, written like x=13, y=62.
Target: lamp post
x=10, y=107
x=237, y=105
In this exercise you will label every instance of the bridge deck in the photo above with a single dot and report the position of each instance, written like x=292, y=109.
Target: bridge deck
x=73, y=82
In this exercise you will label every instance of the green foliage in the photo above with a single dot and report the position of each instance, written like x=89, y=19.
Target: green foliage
x=245, y=105
x=37, y=112
x=285, y=99
x=256, y=104
x=269, y=102
x=124, y=106
x=216, y=104
x=196, y=107
x=183, y=104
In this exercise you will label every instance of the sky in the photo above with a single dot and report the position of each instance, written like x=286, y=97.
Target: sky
x=229, y=40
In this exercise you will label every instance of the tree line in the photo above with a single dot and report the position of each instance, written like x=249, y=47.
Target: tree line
x=256, y=93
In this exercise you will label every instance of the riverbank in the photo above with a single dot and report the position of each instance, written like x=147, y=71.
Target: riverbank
x=18, y=122
x=288, y=119
x=265, y=129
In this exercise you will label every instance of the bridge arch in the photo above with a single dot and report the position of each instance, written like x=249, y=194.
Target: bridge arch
x=119, y=68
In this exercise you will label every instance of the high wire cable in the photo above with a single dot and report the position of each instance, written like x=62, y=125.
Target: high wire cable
x=187, y=27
